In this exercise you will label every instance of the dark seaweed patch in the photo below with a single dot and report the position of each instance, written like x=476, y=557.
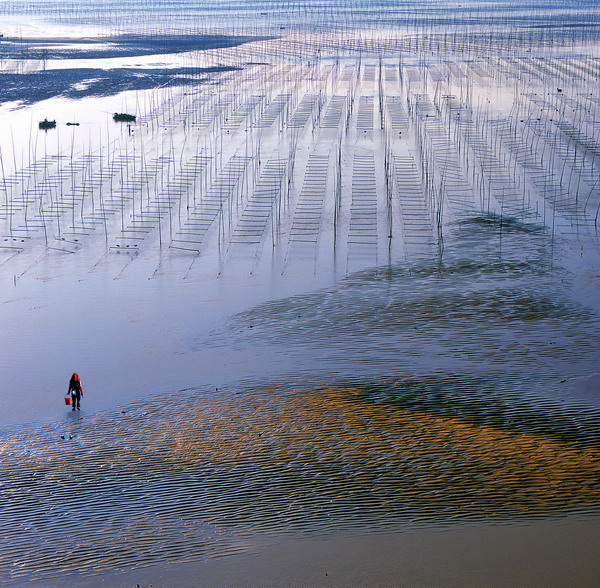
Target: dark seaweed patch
x=501, y=223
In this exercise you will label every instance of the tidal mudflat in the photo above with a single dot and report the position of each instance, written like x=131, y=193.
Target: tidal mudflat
x=333, y=293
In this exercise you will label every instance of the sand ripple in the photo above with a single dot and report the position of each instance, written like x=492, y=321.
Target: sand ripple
x=465, y=423
x=164, y=482
x=478, y=310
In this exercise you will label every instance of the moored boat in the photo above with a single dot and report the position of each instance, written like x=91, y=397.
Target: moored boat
x=124, y=117
x=47, y=124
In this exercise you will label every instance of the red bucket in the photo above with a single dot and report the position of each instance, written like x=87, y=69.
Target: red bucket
x=68, y=400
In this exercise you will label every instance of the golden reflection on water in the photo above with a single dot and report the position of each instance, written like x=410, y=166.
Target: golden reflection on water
x=390, y=449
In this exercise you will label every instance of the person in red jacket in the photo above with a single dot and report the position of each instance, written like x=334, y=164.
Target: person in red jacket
x=76, y=391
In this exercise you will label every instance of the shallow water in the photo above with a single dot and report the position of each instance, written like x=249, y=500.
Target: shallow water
x=479, y=311
x=382, y=418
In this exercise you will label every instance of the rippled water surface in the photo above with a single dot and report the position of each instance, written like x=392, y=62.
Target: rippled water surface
x=483, y=309
x=190, y=477
x=456, y=416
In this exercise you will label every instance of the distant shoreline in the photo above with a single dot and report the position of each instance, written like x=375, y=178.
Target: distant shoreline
x=29, y=87
x=131, y=45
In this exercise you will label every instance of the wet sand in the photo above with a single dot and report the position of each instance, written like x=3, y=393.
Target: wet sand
x=222, y=472
x=554, y=553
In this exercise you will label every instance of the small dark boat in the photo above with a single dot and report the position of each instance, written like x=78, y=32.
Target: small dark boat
x=123, y=117
x=69, y=124
x=47, y=124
